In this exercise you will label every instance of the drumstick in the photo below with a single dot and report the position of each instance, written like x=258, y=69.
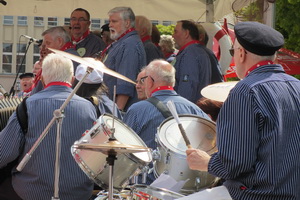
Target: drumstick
x=172, y=109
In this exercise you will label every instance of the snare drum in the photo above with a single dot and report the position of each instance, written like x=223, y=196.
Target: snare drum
x=145, y=192
x=171, y=150
x=94, y=164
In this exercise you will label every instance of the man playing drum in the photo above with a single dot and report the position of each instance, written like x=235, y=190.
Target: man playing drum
x=258, y=126
x=144, y=117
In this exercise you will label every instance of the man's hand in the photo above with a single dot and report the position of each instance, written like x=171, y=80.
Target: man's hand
x=197, y=159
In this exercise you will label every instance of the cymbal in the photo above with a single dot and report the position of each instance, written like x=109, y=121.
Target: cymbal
x=112, y=146
x=218, y=91
x=92, y=62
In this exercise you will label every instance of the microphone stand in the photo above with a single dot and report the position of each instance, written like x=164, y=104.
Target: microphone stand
x=12, y=91
x=58, y=116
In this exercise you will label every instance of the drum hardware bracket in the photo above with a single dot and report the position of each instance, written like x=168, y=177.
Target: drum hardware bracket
x=197, y=183
x=156, y=155
x=94, y=132
x=168, y=158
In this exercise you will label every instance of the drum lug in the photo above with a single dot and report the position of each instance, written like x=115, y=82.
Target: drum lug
x=156, y=155
x=168, y=158
x=197, y=183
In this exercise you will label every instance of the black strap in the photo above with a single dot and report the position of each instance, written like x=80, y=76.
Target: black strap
x=160, y=106
x=22, y=116
x=94, y=100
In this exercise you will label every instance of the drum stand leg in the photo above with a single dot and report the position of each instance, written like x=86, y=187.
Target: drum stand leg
x=112, y=156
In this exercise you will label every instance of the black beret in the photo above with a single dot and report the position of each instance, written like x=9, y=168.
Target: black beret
x=258, y=38
x=105, y=27
x=26, y=75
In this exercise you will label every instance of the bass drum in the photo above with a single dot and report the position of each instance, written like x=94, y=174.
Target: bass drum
x=171, y=158
x=94, y=164
x=145, y=192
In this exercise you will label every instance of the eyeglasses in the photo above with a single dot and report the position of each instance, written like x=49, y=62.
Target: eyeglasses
x=231, y=51
x=81, y=19
x=142, y=80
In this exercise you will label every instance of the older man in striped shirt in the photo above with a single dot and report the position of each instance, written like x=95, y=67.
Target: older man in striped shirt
x=36, y=180
x=258, y=128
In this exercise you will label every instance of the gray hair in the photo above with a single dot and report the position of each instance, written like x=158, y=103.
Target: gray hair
x=161, y=71
x=167, y=41
x=57, y=68
x=56, y=32
x=126, y=13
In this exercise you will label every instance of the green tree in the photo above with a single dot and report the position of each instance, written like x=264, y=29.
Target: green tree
x=166, y=30
x=288, y=22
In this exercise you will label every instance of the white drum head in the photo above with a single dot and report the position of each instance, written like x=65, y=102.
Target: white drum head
x=201, y=133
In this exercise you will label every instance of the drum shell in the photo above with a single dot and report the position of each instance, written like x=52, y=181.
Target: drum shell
x=173, y=160
x=94, y=164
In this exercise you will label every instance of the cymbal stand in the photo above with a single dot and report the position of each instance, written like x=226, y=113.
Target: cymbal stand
x=112, y=156
x=58, y=115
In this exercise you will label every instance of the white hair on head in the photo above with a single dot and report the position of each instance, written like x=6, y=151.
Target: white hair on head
x=167, y=41
x=162, y=71
x=126, y=13
x=57, y=68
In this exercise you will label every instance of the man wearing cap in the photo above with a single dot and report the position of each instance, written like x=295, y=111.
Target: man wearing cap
x=26, y=83
x=258, y=126
x=94, y=89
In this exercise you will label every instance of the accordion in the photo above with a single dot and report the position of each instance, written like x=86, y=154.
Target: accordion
x=8, y=105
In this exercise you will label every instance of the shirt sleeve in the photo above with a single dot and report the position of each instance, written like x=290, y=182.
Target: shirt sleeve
x=132, y=60
x=11, y=141
x=237, y=138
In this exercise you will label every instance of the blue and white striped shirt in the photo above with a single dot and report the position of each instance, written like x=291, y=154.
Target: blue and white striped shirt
x=36, y=180
x=258, y=137
x=193, y=72
x=126, y=56
x=144, y=118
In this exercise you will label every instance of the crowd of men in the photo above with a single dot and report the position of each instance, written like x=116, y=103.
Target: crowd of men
x=257, y=128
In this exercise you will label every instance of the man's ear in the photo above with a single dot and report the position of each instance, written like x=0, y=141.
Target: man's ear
x=43, y=82
x=127, y=24
x=72, y=80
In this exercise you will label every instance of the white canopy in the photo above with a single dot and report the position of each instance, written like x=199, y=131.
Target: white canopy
x=162, y=10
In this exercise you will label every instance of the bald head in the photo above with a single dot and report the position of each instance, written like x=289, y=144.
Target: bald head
x=159, y=73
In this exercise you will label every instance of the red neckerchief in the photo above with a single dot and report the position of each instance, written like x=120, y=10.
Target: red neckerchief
x=162, y=88
x=265, y=62
x=148, y=37
x=58, y=83
x=68, y=45
x=122, y=35
x=156, y=44
x=29, y=90
x=76, y=41
x=37, y=78
x=167, y=55
x=188, y=44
